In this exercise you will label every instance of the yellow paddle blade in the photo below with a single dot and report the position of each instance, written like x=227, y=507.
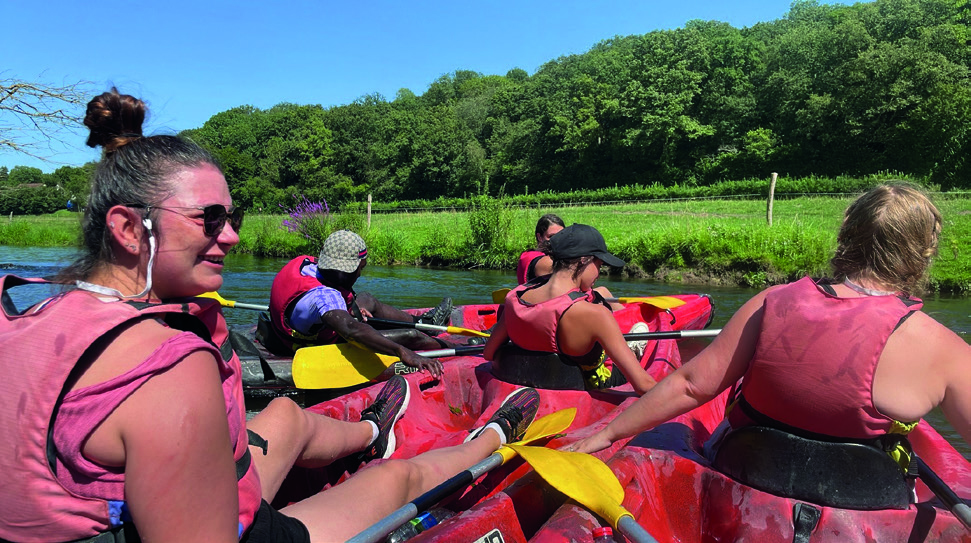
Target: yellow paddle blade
x=660, y=302
x=552, y=424
x=582, y=477
x=337, y=366
x=215, y=296
x=465, y=331
x=499, y=296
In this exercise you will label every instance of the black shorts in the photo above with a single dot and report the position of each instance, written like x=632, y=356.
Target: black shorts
x=271, y=526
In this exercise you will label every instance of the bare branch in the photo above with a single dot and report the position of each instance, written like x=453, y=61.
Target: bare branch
x=36, y=114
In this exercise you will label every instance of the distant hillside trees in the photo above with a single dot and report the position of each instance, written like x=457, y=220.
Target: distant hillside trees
x=828, y=90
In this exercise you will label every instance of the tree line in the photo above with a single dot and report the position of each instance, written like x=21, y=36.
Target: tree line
x=827, y=90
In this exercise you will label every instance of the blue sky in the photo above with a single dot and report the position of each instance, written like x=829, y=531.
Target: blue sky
x=191, y=60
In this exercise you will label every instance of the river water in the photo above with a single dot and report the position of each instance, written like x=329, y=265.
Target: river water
x=248, y=279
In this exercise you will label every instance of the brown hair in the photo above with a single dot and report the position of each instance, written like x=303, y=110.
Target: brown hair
x=544, y=223
x=889, y=235
x=134, y=170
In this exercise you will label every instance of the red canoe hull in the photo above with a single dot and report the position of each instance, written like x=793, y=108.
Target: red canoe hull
x=670, y=487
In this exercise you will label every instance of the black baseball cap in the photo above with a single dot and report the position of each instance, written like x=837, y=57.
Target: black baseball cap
x=579, y=240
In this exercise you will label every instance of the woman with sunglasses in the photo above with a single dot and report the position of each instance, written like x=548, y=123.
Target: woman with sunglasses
x=562, y=313
x=126, y=421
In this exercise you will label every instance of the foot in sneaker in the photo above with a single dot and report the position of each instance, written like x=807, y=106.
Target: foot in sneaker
x=440, y=316
x=638, y=347
x=514, y=415
x=388, y=407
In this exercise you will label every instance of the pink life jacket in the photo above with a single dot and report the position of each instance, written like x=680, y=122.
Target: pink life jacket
x=526, y=268
x=288, y=286
x=41, y=348
x=816, y=357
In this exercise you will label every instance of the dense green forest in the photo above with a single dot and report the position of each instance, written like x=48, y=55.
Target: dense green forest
x=827, y=90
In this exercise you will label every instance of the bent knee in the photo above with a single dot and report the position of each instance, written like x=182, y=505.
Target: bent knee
x=280, y=413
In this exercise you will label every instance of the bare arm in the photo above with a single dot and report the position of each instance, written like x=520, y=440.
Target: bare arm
x=716, y=368
x=497, y=339
x=594, y=322
x=362, y=334
x=172, y=437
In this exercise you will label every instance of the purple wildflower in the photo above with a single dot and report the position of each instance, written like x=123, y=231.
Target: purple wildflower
x=309, y=219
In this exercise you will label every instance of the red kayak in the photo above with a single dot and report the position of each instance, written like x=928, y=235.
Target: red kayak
x=670, y=488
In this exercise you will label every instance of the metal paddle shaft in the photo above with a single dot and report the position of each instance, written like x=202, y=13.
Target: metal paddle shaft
x=940, y=489
x=634, y=531
x=378, y=531
x=673, y=334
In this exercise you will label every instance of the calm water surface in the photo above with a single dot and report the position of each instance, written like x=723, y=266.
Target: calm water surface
x=248, y=280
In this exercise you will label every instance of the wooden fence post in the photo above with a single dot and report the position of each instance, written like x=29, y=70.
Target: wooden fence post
x=768, y=211
x=369, y=211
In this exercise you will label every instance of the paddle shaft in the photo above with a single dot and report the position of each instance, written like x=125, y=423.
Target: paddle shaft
x=673, y=334
x=428, y=327
x=634, y=531
x=378, y=531
x=940, y=489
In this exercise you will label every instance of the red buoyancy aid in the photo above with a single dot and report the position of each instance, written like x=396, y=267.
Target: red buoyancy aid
x=41, y=348
x=534, y=326
x=816, y=357
x=288, y=286
x=526, y=261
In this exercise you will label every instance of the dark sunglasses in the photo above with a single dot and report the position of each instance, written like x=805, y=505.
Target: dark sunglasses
x=214, y=217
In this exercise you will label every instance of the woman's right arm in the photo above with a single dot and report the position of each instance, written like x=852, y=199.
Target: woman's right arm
x=702, y=378
x=497, y=338
x=180, y=478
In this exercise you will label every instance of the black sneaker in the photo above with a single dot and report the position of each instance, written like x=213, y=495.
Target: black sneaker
x=514, y=415
x=388, y=407
x=441, y=315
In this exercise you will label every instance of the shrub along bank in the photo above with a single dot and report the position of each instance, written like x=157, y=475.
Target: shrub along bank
x=683, y=241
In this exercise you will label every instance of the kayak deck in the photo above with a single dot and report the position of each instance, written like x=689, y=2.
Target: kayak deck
x=670, y=487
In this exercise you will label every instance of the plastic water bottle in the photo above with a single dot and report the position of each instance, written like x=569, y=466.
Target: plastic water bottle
x=419, y=524
x=603, y=535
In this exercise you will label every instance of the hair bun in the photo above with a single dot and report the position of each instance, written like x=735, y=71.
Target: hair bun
x=114, y=119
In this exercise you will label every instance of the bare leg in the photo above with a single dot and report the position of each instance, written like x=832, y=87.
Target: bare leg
x=296, y=437
x=381, y=310
x=342, y=511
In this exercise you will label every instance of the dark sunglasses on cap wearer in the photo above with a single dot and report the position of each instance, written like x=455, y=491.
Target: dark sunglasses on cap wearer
x=213, y=217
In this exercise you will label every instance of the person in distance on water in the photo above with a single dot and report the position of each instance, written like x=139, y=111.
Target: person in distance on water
x=895, y=362
x=562, y=313
x=312, y=302
x=132, y=426
x=536, y=262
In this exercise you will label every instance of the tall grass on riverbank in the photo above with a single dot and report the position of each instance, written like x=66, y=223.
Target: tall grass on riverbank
x=685, y=241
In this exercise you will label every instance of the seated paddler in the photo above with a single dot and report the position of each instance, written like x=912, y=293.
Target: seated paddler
x=850, y=363
x=562, y=313
x=312, y=302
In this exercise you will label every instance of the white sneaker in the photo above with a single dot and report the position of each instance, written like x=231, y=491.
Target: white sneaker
x=638, y=347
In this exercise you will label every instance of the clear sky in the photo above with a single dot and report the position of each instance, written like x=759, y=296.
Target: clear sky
x=192, y=59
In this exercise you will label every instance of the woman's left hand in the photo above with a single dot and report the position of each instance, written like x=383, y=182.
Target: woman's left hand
x=589, y=445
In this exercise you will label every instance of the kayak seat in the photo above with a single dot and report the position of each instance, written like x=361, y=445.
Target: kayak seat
x=268, y=338
x=519, y=366
x=255, y=369
x=834, y=474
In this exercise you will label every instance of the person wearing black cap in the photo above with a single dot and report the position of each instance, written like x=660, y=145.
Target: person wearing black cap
x=312, y=302
x=560, y=313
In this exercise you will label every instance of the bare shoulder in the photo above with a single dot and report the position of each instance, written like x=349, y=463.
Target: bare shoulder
x=933, y=338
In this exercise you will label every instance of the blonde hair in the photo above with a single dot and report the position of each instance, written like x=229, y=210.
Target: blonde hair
x=889, y=235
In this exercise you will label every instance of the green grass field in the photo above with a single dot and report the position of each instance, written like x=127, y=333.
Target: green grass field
x=686, y=241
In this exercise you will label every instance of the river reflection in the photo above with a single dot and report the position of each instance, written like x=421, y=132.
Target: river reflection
x=248, y=280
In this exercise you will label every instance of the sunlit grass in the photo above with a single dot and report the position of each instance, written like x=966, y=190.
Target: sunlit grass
x=725, y=241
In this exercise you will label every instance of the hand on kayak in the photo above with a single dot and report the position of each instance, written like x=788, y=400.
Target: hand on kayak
x=433, y=366
x=589, y=445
